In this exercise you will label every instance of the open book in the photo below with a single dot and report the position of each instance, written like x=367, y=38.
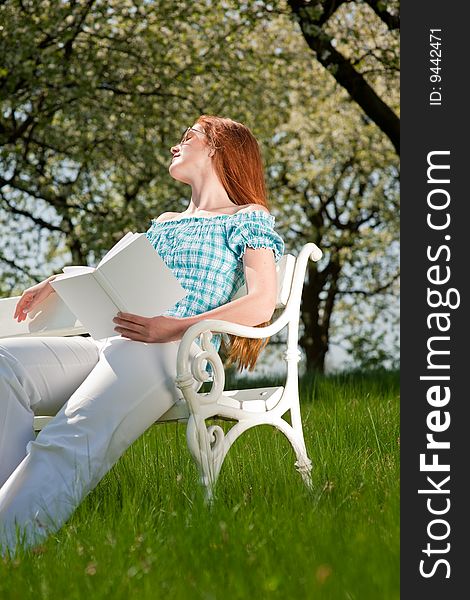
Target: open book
x=130, y=278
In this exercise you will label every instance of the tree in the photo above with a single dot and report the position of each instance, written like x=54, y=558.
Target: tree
x=339, y=174
x=352, y=52
x=341, y=182
x=94, y=93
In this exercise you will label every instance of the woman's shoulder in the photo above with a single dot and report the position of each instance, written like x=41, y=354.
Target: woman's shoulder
x=249, y=208
x=251, y=214
x=166, y=216
x=250, y=221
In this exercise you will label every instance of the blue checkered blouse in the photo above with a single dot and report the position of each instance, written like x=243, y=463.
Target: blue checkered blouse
x=205, y=255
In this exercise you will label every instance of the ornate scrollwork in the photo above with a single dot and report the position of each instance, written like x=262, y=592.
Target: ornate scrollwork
x=208, y=447
x=199, y=373
x=216, y=436
x=198, y=367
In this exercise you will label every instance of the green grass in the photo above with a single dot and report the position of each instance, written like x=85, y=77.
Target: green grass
x=144, y=532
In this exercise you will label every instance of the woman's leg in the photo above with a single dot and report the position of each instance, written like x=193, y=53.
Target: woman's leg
x=131, y=386
x=37, y=376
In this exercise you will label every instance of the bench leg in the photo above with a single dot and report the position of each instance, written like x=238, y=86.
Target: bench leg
x=304, y=467
x=208, y=450
x=295, y=436
x=209, y=446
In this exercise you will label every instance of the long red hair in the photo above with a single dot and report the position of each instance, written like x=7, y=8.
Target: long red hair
x=239, y=166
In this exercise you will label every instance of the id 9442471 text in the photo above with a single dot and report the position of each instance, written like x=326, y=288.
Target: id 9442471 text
x=435, y=57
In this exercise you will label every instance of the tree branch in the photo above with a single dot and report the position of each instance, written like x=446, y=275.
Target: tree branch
x=11, y=135
x=377, y=290
x=390, y=20
x=16, y=267
x=25, y=213
x=310, y=21
x=54, y=200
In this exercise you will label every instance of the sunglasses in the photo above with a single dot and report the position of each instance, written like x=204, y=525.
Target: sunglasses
x=186, y=134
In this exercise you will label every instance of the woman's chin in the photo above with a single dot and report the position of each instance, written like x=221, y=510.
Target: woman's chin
x=173, y=169
x=176, y=173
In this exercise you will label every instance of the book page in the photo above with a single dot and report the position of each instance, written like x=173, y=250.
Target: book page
x=139, y=280
x=76, y=270
x=89, y=302
x=123, y=242
x=131, y=278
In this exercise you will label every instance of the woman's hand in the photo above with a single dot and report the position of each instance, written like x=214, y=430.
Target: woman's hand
x=32, y=297
x=149, y=329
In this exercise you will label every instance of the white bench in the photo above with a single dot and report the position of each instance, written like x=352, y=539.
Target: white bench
x=209, y=444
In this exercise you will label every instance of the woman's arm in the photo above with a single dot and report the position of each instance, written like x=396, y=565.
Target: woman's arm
x=256, y=307
x=32, y=297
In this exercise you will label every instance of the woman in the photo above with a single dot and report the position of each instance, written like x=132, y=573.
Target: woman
x=107, y=393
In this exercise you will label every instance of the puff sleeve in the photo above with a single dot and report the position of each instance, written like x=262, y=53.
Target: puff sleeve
x=254, y=229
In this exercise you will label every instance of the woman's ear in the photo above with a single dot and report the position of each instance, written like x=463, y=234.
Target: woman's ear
x=211, y=152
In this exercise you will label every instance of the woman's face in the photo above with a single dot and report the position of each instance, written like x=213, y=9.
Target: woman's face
x=192, y=156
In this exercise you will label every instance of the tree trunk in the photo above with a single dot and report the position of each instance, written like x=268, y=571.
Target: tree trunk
x=314, y=340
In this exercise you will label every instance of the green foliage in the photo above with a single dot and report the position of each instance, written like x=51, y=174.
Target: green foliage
x=144, y=531
x=93, y=95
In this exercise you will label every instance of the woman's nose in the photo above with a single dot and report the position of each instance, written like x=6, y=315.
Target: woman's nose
x=174, y=149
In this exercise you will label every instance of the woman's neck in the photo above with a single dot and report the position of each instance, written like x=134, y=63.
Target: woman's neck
x=208, y=196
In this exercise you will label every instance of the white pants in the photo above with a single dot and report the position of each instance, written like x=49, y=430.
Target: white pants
x=105, y=394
